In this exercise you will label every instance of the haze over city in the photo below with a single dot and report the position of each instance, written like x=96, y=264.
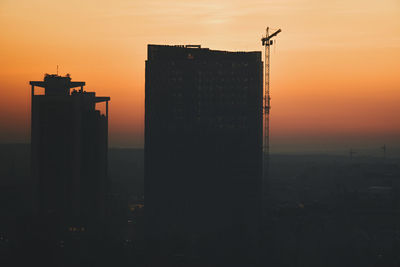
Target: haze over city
x=143, y=133
x=334, y=76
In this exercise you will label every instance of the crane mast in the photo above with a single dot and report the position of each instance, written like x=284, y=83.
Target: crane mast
x=267, y=42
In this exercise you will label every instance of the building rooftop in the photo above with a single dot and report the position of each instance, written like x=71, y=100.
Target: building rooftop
x=196, y=52
x=54, y=80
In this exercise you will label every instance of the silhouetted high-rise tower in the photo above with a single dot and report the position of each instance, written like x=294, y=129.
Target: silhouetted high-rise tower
x=203, y=154
x=69, y=155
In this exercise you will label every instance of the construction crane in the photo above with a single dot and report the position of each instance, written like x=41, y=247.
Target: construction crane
x=267, y=42
x=351, y=153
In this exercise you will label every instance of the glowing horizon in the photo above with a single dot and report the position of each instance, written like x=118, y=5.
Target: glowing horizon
x=334, y=72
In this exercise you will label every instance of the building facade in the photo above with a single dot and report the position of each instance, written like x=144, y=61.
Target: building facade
x=69, y=144
x=203, y=155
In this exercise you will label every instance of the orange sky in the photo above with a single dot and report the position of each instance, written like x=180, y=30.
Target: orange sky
x=335, y=77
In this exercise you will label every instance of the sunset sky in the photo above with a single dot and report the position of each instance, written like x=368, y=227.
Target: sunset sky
x=335, y=74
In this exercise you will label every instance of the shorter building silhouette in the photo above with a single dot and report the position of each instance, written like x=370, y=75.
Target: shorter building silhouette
x=69, y=140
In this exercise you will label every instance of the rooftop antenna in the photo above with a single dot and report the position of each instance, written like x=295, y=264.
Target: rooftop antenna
x=57, y=70
x=267, y=42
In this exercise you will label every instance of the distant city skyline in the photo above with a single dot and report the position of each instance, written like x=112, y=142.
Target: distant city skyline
x=334, y=76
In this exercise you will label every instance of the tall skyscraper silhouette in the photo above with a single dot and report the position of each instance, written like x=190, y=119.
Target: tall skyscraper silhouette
x=69, y=156
x=203, y=155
